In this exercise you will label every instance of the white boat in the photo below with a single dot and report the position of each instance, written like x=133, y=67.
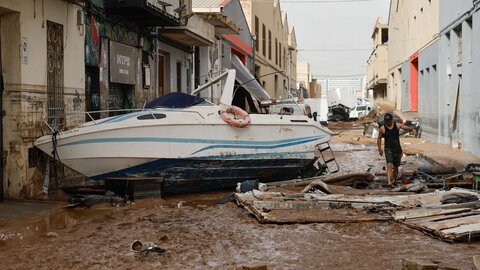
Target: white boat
x=192, y=148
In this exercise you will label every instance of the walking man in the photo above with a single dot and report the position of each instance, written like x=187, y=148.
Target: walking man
x=393, y=149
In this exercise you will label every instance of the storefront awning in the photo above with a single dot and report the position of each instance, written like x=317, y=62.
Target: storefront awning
x=247, y=81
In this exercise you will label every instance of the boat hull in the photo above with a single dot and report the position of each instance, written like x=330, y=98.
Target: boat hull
x=190, y=150
x=191, y=175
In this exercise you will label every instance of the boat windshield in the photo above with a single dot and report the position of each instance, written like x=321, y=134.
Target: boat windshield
x=175, y=100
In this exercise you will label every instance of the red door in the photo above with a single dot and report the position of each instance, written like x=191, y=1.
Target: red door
x=414, y=82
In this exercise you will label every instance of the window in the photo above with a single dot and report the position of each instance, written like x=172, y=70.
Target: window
x=280, y=54
x=179, y=76
x=384, y=35
x=151, y=116
x=257, y=36
x=458, y=34
x=469, y=42
x=55, y=100
x=264, y=40
x=269, y=45
x=276, y=51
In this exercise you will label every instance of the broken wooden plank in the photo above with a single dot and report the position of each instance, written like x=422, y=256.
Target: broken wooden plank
x=440, y=217
x=426, y=212
x=476, y=261
x=461, y=231
x=472, y=205
x=334, y=189
x=450, y=223
x=287, y=216
x=418, y=264
x=304, y=204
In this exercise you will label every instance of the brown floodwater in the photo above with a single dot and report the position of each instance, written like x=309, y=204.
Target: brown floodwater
x=199, y=233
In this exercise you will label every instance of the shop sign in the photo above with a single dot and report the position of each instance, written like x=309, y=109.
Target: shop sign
x=122, y=63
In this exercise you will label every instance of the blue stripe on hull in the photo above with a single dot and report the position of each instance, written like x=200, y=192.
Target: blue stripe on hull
x=190, y=175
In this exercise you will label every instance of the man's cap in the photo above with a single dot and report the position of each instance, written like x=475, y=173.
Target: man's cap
x=388, y=117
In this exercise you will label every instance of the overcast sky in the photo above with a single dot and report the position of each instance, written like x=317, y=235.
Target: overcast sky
x=333, y=35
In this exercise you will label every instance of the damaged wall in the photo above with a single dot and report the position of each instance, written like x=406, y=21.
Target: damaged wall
x=448, y=96
x=24, y=63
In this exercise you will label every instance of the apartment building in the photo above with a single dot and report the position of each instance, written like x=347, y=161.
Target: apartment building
x=377, y=71
x=43, y=82
x=61, y=58
x=304, y=76
x=275, y=46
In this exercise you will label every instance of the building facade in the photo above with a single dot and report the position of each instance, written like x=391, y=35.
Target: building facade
x=377, y=62
x=275, y=46
x=411, y=26
x=442, y=68
x=43, y=81
x=60, y=59
x=304, y=76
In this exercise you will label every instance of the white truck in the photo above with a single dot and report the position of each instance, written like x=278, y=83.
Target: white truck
x=359, y=111
x=319, y=107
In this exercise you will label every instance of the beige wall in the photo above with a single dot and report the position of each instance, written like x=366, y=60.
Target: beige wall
x=377, y=66
x=269, y=14
x=24, y=98
x=292, y=45
x=304, y=76
x=411, y=25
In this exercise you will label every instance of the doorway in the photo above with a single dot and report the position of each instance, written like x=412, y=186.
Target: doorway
x=92, y=92
x=179, y=76
x=161, y=74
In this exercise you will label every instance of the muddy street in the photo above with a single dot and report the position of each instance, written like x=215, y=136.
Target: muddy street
x=199, y=233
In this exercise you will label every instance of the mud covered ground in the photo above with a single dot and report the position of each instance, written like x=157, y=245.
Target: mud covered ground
x=199, y=233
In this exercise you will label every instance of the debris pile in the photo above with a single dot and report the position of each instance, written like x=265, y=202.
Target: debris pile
x=452, y=215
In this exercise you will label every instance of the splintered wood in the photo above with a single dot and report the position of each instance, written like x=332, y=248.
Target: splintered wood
x=425, y=212
x=280, y=208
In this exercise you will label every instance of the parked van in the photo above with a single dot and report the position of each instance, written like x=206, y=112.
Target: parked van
x=359, y=111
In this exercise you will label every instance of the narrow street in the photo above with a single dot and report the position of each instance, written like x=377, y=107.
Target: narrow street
x=199, y=233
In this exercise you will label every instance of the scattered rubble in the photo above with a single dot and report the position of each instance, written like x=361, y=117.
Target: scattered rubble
x=435, y=213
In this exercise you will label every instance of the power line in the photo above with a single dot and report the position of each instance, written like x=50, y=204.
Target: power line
x=335, y=50
x=314, y=1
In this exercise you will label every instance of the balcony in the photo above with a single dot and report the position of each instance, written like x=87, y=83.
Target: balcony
x=196, y=32
x=145, y=12
x=377, y=67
